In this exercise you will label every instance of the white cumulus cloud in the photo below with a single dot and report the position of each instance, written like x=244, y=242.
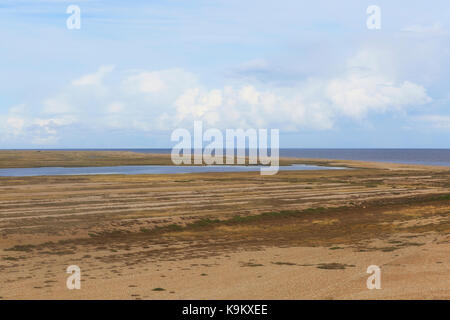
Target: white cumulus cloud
x=93, y=79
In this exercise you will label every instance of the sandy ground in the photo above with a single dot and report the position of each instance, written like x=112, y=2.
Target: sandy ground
x=296, y=235
x=271, y=273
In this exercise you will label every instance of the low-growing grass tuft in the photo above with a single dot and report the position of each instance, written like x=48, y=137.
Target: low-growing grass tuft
x=26, y=248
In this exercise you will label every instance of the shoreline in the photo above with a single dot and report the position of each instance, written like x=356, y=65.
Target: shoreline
x=296, y=235
x=80, y=159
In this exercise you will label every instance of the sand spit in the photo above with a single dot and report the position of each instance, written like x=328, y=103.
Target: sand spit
x=295, y=235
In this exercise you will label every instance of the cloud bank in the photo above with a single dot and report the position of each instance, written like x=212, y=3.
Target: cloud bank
x=162, y=100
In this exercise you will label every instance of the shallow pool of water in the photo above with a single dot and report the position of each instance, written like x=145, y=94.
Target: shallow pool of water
x=150, y=169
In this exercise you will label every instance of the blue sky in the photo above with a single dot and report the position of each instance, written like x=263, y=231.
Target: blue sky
x=136, y=70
